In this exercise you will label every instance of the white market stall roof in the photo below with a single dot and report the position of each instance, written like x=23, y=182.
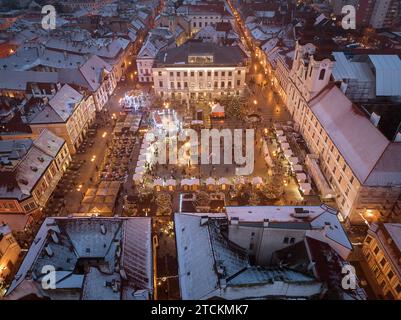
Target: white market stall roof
x=158, y=182
x=210, y=181
x=305, y=188
x=190, y=182
x=224, y=181
x=171, y=182
x=239, y=180
x=301, y=177
x=293, y=161
x=257, y=180
x=141, y=163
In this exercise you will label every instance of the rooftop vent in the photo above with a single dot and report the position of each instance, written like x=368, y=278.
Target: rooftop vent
x=301, y=213
x=34, y=169
x=23, y=181
x=49, y=251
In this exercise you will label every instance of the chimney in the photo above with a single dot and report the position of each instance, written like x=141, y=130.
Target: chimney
x=234, y=221
x=204, y=220
x=265, y=223
x=49, y=251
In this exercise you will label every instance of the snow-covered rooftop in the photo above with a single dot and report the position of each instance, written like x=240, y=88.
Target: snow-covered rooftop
x=210, y=266
x=102, y=258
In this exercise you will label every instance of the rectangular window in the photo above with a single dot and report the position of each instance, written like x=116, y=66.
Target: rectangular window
x=376, y=250
x=161, y=84
x=209, y=73
x=238, y=82
x=171, y=74
x=216, y=73
x=185, y=74
x=230, y=73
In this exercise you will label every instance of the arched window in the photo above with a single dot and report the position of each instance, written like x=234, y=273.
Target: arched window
x=322, y=74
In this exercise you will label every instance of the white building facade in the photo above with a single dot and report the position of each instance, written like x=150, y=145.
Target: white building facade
x=202, y=72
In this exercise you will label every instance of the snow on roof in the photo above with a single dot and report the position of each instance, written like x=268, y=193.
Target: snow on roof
x=92, y=71
x=345, y=69
x=65, y=101
x=388, y=74
x=31, y=56
x=122, y=244
x=211, y=266
x=195, y=258
x=357, y=139
x=49, y=143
